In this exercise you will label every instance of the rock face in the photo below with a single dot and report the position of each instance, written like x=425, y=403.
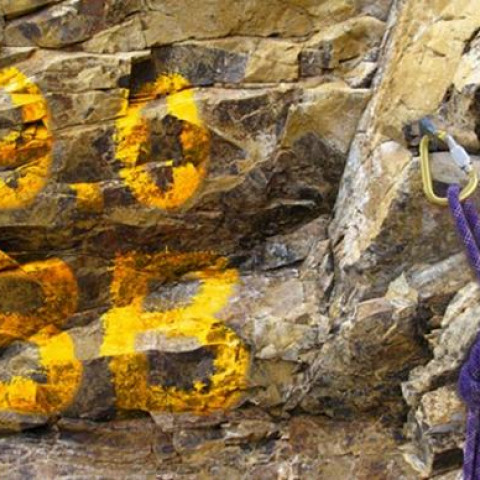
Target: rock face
x=216, y=257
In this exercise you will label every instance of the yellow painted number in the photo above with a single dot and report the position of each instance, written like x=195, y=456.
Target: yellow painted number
x=57, y=285
x=56, y=353
x=63, y=376
x=132, y=137
x=195, y=321
x=28, y=151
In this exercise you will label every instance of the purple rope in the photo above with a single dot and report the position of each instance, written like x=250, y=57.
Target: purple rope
x=472, y=218
x=467, y=219
x=462, y=220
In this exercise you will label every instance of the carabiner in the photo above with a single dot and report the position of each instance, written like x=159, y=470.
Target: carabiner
x=471, y=186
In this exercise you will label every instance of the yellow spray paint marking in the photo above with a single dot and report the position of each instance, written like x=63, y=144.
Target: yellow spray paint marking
x=63, y=376
x=59, y=290
x=56, y=352
x=132, y=136
x=7, y=262
x=89, y=196
x=29, y=151
x=127, y=320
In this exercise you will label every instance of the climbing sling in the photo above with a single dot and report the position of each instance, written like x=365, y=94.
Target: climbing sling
x=467, y=222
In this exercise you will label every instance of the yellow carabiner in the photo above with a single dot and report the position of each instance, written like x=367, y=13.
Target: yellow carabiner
x=467, y=191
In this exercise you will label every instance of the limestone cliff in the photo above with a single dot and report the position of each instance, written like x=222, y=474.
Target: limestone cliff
x=216, y=257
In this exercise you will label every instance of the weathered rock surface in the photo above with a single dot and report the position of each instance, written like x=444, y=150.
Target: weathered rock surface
x=241, y=445
x=384, y=229
x=216, y=257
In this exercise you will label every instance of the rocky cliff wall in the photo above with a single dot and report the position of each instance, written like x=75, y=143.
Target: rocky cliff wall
x=216, y=257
